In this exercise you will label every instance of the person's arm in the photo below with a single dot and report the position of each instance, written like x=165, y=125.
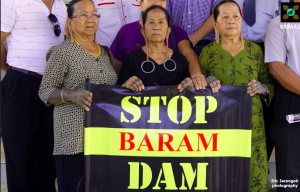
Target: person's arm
x=117, y=48
x=117, y=64
x=82, y=98
x=50, y=90
x=9, y=11
x=203, y=31
x=263, y=84
x=4, y=65
x=53, y=77
x=276, y=55
x=211, y=81
x=198, y=79
x=285, y=76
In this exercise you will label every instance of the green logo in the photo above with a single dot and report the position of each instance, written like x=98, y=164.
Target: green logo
x=291, y=12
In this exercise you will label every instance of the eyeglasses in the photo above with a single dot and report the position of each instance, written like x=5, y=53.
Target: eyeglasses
x=148, y=66
x=55, y=23
x=85, y=17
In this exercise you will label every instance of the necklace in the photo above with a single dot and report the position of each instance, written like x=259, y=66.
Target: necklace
x=99, y=50
x=238, y=50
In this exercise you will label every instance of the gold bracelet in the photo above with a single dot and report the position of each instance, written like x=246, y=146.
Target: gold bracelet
x=61, y=95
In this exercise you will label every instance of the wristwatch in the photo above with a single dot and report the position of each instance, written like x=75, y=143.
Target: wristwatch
x=267, y=92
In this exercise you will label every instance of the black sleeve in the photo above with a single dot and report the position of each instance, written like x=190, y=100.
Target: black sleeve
x=126, y=69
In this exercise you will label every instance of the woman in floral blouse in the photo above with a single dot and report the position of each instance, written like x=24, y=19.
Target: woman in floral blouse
x=68, y=65
x=235, y=61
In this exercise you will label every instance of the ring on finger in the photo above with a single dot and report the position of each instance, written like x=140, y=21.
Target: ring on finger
x=187, y=81
x=137, y=79
x=137, y=85
x=182, y=84
x=130, y=85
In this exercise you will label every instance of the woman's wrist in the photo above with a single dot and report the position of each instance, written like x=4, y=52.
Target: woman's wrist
x=62, y=96
x=65, y=96
x=267, y=90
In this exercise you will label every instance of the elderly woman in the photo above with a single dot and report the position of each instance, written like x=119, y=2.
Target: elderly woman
x=130, y=39
x=68, y=65
x=154, y=64
x=239, y=62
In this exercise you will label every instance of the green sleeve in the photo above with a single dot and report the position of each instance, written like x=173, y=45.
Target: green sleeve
x=202, y=59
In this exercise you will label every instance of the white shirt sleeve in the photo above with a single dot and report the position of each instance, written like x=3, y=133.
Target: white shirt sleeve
x=275, y=42
x=8, y=15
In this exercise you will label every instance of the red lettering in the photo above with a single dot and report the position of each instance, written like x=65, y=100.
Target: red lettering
x=148, y=143
x=185, y=139
x=205, y=144
x=123, y=141
x=167, y=143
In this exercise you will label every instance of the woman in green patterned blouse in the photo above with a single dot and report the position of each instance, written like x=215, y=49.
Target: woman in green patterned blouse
x=232, y=60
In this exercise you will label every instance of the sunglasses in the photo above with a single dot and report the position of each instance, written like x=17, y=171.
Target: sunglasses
x=55, y=23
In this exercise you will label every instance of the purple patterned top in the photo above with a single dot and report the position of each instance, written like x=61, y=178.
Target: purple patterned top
x=130, y=39
x=190, y=15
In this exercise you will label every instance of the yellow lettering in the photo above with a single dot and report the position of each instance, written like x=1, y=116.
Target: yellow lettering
x=131, y=108
x=169, y=177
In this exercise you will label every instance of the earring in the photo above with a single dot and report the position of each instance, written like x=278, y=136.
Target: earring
x=167, y=42
x=147, y=51
x=217, y=37
x=71, y=35
x=67, y=32
x=241, y=37
x=146, y=42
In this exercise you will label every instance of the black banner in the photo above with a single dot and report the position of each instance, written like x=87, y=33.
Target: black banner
x=163, y=140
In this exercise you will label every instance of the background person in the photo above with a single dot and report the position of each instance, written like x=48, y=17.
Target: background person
x=195, y=18
x=282, y=56
x=68, y=65
x=238, y=62
x=30, y=28
x=114, y=14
